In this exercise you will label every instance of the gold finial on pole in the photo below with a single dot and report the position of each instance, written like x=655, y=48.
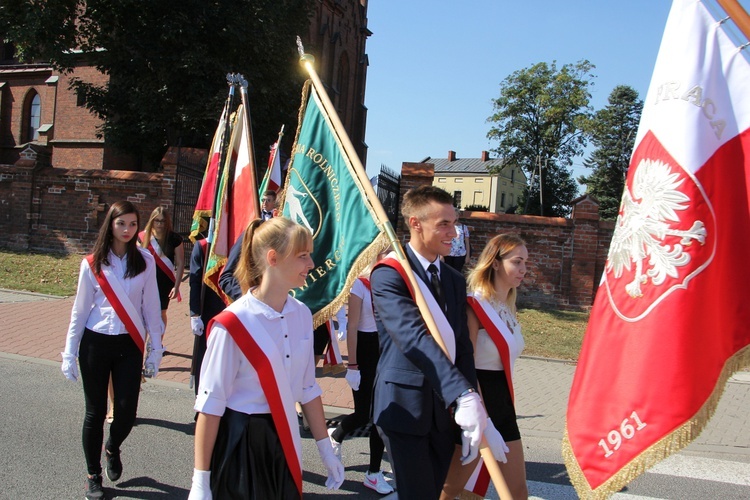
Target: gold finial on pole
x=303, y=58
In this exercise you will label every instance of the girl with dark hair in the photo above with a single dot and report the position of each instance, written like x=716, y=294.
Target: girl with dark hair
x=116, y=305
x=258, y=363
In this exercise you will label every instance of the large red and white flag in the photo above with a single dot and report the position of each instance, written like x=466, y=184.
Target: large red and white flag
x=238, y=200
x=670, y=323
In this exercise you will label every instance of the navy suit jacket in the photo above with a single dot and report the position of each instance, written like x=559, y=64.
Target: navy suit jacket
x=416, y=383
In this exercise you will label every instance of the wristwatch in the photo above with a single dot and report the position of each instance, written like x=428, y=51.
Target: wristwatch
x=466, y=392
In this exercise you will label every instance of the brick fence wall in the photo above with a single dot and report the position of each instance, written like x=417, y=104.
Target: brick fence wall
x=566, y=255
x=49, y=209
x=60, y=210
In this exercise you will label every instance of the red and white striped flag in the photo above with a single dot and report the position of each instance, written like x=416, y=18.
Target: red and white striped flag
x=272, y=178
x=238, y=200
x=670, y=323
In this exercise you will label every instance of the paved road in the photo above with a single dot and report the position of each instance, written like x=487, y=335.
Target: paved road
x=40, y=454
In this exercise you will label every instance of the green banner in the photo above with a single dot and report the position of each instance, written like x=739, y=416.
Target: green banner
x=323, y=193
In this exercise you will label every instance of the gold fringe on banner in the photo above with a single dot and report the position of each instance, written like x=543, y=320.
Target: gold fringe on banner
x=365, y=259
x=668, y=445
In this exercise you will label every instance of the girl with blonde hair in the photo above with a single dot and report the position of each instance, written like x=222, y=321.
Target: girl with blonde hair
x=169, y=254
x=496, y=335
x=258, y=363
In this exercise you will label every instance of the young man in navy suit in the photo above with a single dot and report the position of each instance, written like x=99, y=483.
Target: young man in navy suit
x=423, y=399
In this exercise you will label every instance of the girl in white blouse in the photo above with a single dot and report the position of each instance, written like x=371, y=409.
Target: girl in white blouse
x=258, y=363
x=116, y=305
x=496, y=335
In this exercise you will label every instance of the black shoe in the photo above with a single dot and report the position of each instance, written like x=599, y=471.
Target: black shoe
x=114, y=464
x=94, y=487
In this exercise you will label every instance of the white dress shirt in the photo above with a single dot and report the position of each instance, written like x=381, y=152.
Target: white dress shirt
x=93, y=310
x=228, y=380
x=426, y=263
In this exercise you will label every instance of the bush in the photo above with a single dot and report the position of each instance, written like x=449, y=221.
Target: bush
x=476, y=208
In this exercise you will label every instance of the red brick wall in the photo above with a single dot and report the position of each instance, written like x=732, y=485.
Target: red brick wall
x=60, y=210
x=566, y=256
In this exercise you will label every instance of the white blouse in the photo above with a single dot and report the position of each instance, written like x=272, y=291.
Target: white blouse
x=366, y=316
x=228, y=380
x=486, y=355
x=93, y=310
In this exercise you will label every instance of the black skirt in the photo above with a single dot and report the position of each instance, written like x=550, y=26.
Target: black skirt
x=248, y=461
x=499, y=404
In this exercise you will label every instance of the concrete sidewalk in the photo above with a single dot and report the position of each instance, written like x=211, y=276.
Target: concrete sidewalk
x=35, y=327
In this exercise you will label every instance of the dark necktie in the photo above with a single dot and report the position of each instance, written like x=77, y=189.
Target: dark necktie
x=437, y=291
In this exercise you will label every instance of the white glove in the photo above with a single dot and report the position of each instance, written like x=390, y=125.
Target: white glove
x=201, y=487
x=333, y=465
x=496, y=442
x=341, y=335
x=353, y=377
x=69, y=367
x=472, y=418
x=152, y=362
x=196, y=324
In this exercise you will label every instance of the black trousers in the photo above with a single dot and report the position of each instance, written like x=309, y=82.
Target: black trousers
x=101, y=356
x=368, y=354
x=456, y=263
x=420, y=463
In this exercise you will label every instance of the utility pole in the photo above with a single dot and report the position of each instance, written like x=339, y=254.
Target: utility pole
x=541, y=201
x=530, y=185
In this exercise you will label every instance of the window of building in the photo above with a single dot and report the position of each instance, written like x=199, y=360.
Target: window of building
x=459, y=179
x=512, y=175
x=441, y=179
x=478, y=198
x=502, y=200
x=32, y=117
x=80, y=97
x=456, y=198
x=478, y=179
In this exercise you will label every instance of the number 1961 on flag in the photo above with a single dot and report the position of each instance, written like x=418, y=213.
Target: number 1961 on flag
x=627, y=431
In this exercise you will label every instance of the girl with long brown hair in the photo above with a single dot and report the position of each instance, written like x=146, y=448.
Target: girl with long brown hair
x=115, y=307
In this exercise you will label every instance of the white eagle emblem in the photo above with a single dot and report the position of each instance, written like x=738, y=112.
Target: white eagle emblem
x=647, y=216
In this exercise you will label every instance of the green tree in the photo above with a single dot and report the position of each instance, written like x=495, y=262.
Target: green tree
x=166, y=61
x=613, y=131
x=539, y=119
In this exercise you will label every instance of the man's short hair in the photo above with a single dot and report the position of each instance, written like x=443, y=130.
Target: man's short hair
x=417, y=198
x=270, y=192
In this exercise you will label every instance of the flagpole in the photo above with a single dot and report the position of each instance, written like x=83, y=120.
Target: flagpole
x=246, y=106
x=737, y=14
x=306, y=60
x=232, y=81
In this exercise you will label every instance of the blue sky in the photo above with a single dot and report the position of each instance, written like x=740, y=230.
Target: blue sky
x=435, y=65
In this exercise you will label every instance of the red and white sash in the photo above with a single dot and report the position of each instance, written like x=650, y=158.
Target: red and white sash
x=499, y=333
x=166, y=265
x=120, y=302
x=501, y=336
x=445, y=329
x=264, y=357
x=332, y=357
